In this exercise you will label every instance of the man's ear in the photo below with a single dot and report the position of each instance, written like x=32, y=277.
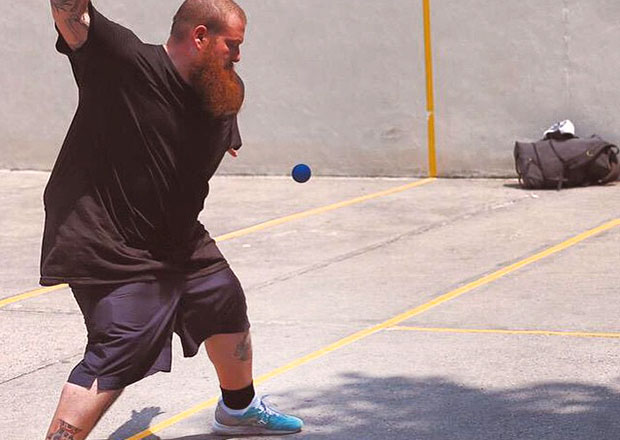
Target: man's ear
x=200, y=36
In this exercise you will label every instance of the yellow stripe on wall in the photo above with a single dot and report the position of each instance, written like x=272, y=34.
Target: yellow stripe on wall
x=430, y=99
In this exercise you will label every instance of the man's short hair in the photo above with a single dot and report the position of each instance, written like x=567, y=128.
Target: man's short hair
x=211, y=13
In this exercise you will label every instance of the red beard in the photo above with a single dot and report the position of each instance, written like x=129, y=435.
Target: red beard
x=219, y=87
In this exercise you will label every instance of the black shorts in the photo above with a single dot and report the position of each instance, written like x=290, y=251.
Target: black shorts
x=130, y=326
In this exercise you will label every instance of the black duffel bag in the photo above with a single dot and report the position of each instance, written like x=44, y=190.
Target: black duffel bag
x=557, y=163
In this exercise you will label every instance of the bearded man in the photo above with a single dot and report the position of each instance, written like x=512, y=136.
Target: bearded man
x=152, y=125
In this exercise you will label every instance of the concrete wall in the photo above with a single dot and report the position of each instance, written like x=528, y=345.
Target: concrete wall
x=340, y=84
x=507, y=70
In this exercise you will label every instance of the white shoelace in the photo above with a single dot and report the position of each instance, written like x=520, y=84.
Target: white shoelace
x=268, y=407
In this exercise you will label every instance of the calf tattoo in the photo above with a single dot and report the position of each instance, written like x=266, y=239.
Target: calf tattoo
x=66, y=431
x=243, y=351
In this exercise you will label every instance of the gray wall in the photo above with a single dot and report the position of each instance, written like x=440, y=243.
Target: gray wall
x=507, y=70
x=340, y=84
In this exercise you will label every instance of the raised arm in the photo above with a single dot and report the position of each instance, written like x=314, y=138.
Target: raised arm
x=72, y=20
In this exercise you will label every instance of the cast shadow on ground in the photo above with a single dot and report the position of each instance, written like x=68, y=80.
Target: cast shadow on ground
x=513, y=185
x=436, y=408
x=139, y=421
x=518, y=186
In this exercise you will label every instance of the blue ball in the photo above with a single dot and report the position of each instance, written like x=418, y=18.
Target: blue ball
x=301, y=173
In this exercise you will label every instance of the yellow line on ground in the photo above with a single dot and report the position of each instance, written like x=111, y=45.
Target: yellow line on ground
x=174, y=419
x=31, y=294
x=389, y=323
x=255, y=228
x=508, y=332
x=321, y=210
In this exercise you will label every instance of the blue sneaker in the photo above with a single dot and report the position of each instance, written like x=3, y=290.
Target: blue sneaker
x=261, y=417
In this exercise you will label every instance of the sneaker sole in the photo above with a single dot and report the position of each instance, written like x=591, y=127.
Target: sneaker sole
x=220, y=429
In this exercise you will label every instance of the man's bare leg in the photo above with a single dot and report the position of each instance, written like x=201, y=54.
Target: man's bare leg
x=79, y=410
x=231, y=355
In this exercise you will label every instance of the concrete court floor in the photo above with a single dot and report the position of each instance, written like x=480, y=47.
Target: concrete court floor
x=311, y=282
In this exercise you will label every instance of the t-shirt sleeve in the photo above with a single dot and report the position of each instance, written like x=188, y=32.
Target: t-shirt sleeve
x=106, y=40
x=235, y=136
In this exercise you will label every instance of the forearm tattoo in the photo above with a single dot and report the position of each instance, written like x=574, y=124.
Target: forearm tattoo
x=76, y=25
x=243, y=351
x=65, y=431
x=66, y=5
x=70, y=11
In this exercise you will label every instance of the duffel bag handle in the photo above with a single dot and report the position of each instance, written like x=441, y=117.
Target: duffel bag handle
x=615, y=166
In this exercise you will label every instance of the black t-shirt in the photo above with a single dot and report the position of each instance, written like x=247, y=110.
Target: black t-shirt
x=123, y=198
